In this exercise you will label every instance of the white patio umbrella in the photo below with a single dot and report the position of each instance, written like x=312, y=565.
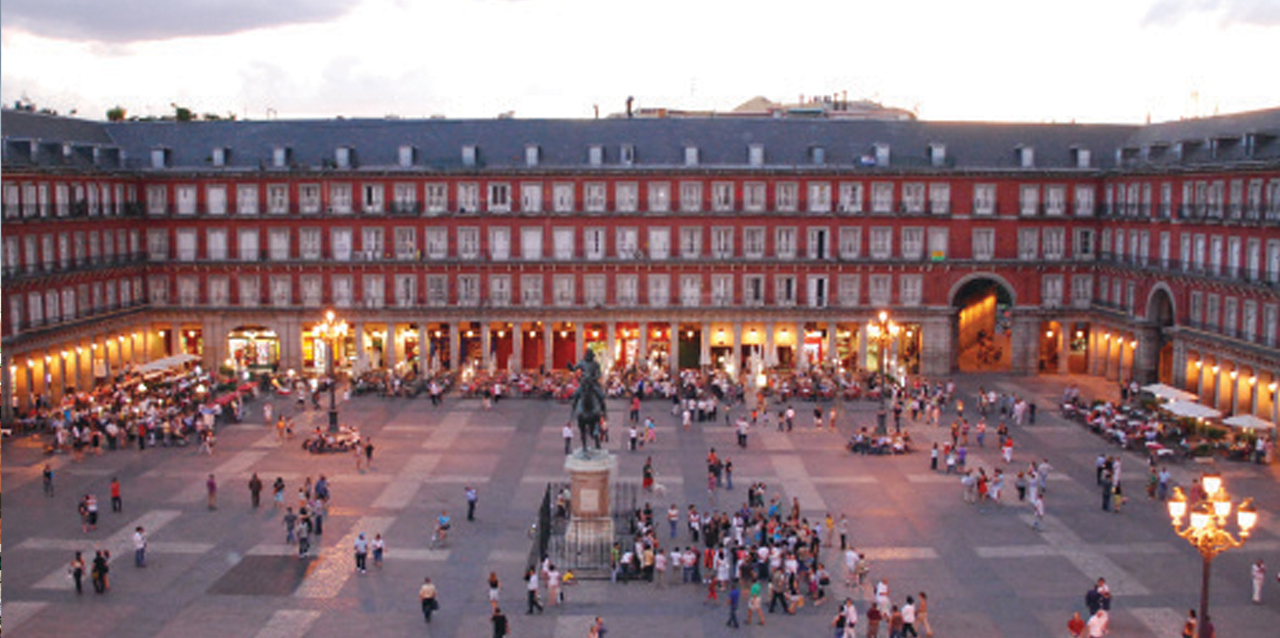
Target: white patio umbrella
x=1248, y=421
x=1168, y=393
x=1193, y=410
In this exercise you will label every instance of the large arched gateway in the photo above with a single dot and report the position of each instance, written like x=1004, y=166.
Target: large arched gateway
x=984, y=324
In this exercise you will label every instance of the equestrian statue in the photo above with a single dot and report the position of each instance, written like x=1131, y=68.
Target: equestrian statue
x=588, y=400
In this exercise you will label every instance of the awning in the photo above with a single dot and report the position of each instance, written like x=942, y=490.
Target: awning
x=160, y=365
x=1168, y=393
x=1248, y=421
x=1189, y=409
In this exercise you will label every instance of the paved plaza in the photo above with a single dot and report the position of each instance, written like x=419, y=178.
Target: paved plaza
x=227, y=573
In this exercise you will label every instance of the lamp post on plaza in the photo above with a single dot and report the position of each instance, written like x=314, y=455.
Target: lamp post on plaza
x=331, y=329
x=883, y=330
x=1206, y=529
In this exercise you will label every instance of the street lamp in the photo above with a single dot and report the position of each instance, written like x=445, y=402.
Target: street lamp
x=1206, y=529
x=331, y=329
x=883, y=330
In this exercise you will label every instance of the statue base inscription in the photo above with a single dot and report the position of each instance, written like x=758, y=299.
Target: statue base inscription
x=590, y=515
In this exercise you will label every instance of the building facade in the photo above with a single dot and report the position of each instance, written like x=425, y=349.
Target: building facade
x=1148, y=252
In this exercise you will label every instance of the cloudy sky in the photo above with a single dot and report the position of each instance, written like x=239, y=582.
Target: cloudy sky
x=1087, y=60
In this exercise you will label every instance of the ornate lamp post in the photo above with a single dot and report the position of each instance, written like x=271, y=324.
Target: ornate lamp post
x=883, y=330
x=331, y=329
x=1206, y=529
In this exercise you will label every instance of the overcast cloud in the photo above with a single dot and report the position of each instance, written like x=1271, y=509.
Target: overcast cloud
x=121, y=21
x=1264, y=13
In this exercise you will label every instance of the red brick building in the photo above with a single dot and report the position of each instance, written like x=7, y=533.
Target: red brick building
x=1126, y=251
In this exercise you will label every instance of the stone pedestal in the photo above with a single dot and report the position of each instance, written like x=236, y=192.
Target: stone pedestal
x=590, y=515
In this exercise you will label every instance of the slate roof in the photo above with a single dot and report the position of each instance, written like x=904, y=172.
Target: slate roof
x=722, y=142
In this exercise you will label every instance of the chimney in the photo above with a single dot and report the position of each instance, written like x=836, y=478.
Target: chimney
x=630, y=99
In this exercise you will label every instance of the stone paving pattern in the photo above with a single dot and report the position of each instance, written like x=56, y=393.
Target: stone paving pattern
x=228, y=574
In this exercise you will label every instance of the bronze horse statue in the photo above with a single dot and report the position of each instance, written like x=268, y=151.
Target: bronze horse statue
x=588, y=400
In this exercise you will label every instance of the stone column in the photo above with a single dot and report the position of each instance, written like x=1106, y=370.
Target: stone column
x=642, y=349
x=579, y=340
x=673, y=358
x=862, y=347
x=6, y=389
x=548, y=346
x=455, y=344
x=1179, y=365
x=704, y=350
x=736, y=356
x=517, y=346
x=1275, y=405
x=176, y=329
x=424, y=348
x=1022, y=350
x=797, y=348
x=832, y=344
x=1064, y=347
x=291, y=345
x=1201, y=372
x=611, y=342
x=389, y=347
x=362, y=355
x=770, y=351
x=1234, y=388
x=937, y=349
x=486, y=344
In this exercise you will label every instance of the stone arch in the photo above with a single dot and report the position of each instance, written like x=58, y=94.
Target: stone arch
x=1161, y=310
x=966, y=282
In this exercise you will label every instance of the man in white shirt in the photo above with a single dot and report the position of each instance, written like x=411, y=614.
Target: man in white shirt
x=1259, y=572
x=909, y=618
x=140, y=551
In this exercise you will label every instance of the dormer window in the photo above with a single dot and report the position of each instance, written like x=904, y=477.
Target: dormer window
x=817, y=155
x=219, y=157
x=595, y=155
x=882, y=154
x=755, y=155
x=531, y=154
x=159, y=157
x=1082, y=156
x=937, y=155
x=280, y=156
x=407, y=152
x=342, y=157
x=627, y=155
x=690, y=156
x=1026, y=157
x=469, y=155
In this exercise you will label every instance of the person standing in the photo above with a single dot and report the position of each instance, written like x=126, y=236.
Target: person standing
x=754, y=603
x=1189, y=625
x=290, y=525
x=211, y=486
x=1259, y=572
x=553, y=585
x=1037, y=506
x=909, y=618
x=361, y=548
x=277, y=492
x=47, y=476
x=568, y=438
x=117, y=504
x=735, y=595
x=500, y=626
x=1097, y=624
x=597, y=629
x=427, y=598
x=76, y=570
x=255, y=490
x=139, y=547
x=101, y=568
x=368, y=453
x=472, y=498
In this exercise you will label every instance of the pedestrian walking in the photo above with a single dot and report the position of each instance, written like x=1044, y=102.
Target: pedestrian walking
x=277, y=492
x=211, y=486
x=427, y=598
x=495, y=590
x=139, y=547
x=1259, y=573
x=361, y=550
x=1075, y=626
x=1188, y=625
x=368, y=453
x=47, y=476
x=922, y=615
x=117, y=504
x=303, y=532
x=531, y=580
x=100, y=571
x=735, y=596
x=378, y=546
x=499, y=622
x=597, y=629
x=290, y=526
x=755, y=605
x=255, y=490
x=568, y=439
x=76, y=570
x=472, y=498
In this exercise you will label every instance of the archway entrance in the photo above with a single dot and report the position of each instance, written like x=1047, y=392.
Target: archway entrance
x=1160, y=313
x=984, y=325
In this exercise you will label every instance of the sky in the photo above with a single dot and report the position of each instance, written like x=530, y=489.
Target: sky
x=1007, y=60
